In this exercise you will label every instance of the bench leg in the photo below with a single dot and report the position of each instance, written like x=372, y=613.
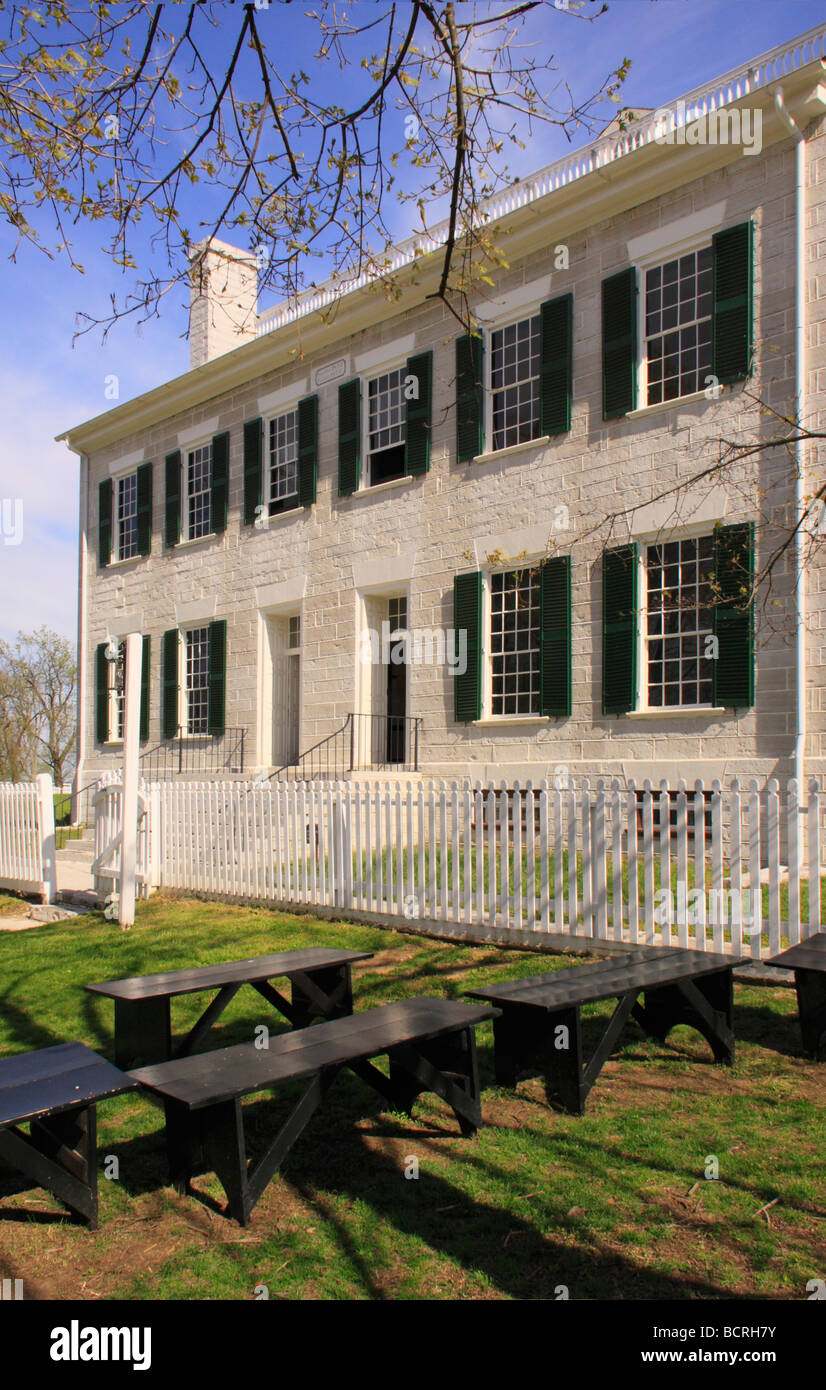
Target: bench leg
x=142, y=1032
x=811, y=1007
x=60, y=1155
x=323, y=993
x=706, y=1004
x=225, y=1154
x=213, y=1140
x=449, y=1067
x=535, y=1041
x=184, y=1144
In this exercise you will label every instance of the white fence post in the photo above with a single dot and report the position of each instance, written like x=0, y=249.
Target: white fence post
x=48, y=863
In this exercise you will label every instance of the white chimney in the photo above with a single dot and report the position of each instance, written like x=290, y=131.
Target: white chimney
x=223, y=308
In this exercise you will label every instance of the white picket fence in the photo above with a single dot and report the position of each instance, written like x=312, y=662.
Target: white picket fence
x=27, y=839
x=579, y=861
x=107, y=801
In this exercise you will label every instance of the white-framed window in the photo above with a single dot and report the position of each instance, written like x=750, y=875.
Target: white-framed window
x=195, y=684
x=514, y=627
x=514, y=382
x=386, y=426
x=676, y=329
x=198, y=492
x=678, y=579
x=117, y=694
x=282, y=443
x=126, y=517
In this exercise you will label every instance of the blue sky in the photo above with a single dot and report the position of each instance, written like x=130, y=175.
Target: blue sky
x=47, y=384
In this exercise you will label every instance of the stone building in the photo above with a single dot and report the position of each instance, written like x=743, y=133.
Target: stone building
x=482, y=554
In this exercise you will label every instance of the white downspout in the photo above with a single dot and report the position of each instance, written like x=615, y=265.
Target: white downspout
x=82, y=554
x=800, y=393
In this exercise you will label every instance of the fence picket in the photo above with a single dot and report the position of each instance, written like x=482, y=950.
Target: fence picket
x=795, y=860
x=813, y=846
x=631, y=843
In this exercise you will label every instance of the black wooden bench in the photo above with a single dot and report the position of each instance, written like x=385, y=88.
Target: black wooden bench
x=56, y=1090
x=431, y=1046
x=808, y=961
x=320, y=988
x=539, y=1028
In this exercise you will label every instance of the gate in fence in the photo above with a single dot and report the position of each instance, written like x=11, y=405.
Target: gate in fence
x=107, y=802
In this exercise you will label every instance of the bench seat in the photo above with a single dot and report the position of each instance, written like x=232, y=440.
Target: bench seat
x=539, y=1028
x=55, y=1091
x=431, y=1046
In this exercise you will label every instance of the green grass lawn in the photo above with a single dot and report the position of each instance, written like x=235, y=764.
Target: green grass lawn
x=613, y=1205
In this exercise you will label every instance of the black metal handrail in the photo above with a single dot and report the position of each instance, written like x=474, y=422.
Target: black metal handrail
x=190, y=754
x=364, y=742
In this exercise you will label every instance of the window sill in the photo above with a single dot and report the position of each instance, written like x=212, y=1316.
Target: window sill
x=119, y=564
x=686, y=711
x=676, y=404
x=384, y=487
x=522, y=448
x=196, y=540
x=268, y=519
x=505, y=721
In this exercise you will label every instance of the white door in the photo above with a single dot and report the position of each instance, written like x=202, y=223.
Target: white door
x=285, y=645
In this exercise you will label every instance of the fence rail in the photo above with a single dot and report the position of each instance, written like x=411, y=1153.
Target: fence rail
x=734, y=869
x=27, y=838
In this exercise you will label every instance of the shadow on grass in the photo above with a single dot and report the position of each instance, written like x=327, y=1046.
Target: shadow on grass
x=765, y=1027
x=27, y=1031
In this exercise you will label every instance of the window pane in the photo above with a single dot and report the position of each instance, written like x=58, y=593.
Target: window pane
x=128, y=517
x=515, y=383
x=197, y=680
x=678, y=326
x=283, y=457
x=515, y=642
x=679, y=620
x=199, y=492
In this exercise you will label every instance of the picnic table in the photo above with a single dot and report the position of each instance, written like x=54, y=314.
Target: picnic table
x=808, y=961
x=431, y=1046
x=320, y=988
x=56, y=1091
x=539, y=1029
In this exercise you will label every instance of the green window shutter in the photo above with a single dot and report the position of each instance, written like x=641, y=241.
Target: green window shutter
x=101, y=694
x=732, y=326
x=556, y=372
x=105, y=522
x=253, y=470
x=145, y=654
x=619, y=344
x=734, y=616
x=307, y=450
x=220, y=481
x=470, y=397
x=172, y=527
x=169, y=684
x=619, y=629
x=417, y=434
x=555, y=636
x=217, y=678
x=467, y=618
x=349, y=437
x=144, y=485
